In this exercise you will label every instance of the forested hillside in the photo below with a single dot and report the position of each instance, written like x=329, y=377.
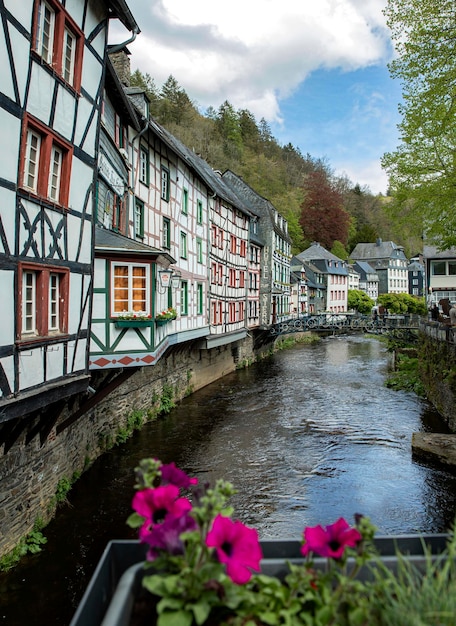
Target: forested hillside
x=318, y=205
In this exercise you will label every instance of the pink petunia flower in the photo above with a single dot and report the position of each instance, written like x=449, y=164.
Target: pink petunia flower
x=331, y=540
x=237, y=546
x=155, y=504
x=172, y=475
x=166, y=537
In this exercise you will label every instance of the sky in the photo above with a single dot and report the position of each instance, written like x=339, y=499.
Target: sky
x=316, y=70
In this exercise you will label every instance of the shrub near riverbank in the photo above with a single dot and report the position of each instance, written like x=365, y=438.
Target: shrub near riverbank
x=406, y=375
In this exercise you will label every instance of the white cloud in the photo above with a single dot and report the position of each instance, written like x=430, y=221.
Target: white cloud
x=254, y=52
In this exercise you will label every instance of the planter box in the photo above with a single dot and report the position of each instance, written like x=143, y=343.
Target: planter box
x=133, y=323
x=109, y=598
x=163, y=322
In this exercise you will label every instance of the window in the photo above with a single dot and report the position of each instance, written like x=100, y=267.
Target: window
x=120, y=132
x=199, y=298
x=45, y=162
x=438, y=268
x=144, y=165
x=199, y=250
x=183, y=245
x=44, y=298
x=241, y=279
x=216, y=312
x=232, y=277
x=233, y=244
x=139, y=218
x=166, y=233
x=243, y=248
x=184, y=201
x=58, y=41
x=130, y=288
x=199, y=212
x=165, y=184
x=184, y=297
x=241, y=311
x=451, y=268
x=232, y=312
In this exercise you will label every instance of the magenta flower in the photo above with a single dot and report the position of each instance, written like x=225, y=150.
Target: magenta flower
x=331, y=540
x=172, y=475
x=237, y=546
x=156, y=504
x=166, y=537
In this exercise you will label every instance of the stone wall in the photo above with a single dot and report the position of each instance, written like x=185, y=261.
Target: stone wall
x=30, y=474
x=437, y=358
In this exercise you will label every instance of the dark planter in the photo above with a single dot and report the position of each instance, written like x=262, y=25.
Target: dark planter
x=133, y=323
x=110, y=596
x=163, y=322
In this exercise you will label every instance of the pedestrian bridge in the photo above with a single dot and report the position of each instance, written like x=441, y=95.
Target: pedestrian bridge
x=403, y=327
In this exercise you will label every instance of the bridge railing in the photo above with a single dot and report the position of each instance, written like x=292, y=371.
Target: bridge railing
x=344, y=321
x=439, y=331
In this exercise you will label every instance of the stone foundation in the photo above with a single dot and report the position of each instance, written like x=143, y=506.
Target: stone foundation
x=30, y=473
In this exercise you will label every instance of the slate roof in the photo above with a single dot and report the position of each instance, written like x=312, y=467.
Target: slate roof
x=378, y=250
x=317, y=252
x=211, y=178
x=432, y=252
x=365, y=269
x=114, y=243
x=256, y=204
x=321, y=258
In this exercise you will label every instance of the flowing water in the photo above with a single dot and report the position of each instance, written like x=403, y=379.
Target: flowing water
x=307, y=436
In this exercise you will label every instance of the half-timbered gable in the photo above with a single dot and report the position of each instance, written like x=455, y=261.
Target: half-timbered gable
x=53, y=57
x=275, y=288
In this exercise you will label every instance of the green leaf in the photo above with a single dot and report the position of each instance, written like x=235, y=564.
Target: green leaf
x=173, y=604
x=135, y=521
x=201, y=612
x=175, y=618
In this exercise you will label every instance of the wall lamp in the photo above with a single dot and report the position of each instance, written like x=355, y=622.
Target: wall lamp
x=168, y=278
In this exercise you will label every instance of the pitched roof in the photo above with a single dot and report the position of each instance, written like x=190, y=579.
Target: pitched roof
x=316, y=252
x=114, y=243
x=257, y=204
x=378, y=250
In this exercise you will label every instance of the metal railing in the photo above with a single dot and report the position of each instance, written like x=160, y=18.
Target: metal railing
x=325, y=322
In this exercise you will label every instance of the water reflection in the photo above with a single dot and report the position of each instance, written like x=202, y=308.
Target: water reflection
x=307, y=436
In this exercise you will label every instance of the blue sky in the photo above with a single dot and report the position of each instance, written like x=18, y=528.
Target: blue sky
x=316, y=70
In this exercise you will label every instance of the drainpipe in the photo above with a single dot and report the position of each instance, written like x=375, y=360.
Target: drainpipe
x=119, y=46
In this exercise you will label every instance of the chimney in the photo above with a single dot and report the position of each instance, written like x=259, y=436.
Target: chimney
x=121, y=63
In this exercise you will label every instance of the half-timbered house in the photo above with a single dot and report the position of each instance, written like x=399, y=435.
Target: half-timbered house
x=275, y=286
x=51, y=77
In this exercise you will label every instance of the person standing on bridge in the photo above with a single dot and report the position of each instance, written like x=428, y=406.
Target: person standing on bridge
x=435, y=312
x=453, y=314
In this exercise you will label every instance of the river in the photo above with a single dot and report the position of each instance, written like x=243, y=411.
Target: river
x=306, y=436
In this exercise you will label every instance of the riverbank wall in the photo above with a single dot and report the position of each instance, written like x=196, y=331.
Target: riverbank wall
x=37, y=471
x=437, y=362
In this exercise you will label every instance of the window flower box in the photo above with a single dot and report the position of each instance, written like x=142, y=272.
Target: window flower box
x=116, y=582
x=196, y=566
x=134, y=323
x=166, y=316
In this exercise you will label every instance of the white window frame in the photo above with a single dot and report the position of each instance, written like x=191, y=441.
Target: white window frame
x=54, y=302
x=32, y=161
x=29, y=302
x=143, y=166
x=55, y=173
x=69, y=55
x=130, y=304
x=46, y=52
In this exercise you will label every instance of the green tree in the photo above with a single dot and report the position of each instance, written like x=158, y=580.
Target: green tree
x=422, y=170
x=359, y=301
